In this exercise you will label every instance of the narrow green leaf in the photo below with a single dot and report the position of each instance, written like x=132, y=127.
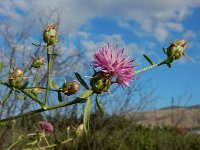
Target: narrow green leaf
x=32, y=142
x=1, y=67
x=59, y=97
x=19, y=96
x=99, y=105
x=80, y=79
x=6, y=96
x=148, y=59
x=35, y=80
x=25, y=85
x=86, y=94
x=53, y=85
x=34, y=93
x=35, y=44
x=86, y=114
x=55, y=54
x=165, y=50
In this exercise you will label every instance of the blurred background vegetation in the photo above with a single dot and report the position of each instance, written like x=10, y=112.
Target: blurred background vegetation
x=127, y=123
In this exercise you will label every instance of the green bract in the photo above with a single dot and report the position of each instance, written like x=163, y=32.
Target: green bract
x=100, y=82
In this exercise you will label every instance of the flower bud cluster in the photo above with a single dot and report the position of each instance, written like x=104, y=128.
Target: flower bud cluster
x=16, y=78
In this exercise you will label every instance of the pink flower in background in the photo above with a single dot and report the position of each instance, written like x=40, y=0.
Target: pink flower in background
x=110, y=60
x=46, y=127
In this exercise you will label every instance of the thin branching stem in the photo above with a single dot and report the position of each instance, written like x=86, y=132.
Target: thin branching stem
x=48, y=73
x=149, y=67
x=42, y=110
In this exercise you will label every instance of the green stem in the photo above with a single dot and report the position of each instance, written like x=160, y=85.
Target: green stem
x=26, y=92
x=42, y=88
x=46, y=140
x=26, y=68
x=149, y=67
x=13, y=131
x=54, y=145
x=48, y=74
x=4, y=75
x=42, y=110
x=6, y=96
x=17, y=141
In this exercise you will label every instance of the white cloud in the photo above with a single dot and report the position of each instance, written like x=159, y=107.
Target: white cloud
x=157, y=18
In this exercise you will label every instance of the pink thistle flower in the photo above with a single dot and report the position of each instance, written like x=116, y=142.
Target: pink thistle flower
x=46, y=127
x=111, y=61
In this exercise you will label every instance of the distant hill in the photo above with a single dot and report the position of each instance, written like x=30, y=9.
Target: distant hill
x=186, y=107
x=188, y=117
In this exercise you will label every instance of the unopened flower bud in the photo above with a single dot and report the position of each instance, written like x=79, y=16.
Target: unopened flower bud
x=18, y=73
x=38, y=62
x=176, y=49
x=50, y=34
x=16, y=78
x=100, y=82
x=80, y=130
x=70, y=88
x=46, y=127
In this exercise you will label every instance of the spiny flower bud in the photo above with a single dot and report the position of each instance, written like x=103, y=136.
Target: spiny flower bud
x=16, y=78
x=101, y=82
x=69, y=88
x=38, y=62
x=50, y=34
x=17, y=72
x=176, y=49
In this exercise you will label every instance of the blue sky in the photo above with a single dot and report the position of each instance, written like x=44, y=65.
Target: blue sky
x=138, y=26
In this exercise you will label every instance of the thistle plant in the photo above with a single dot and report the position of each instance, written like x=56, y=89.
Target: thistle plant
x=110, y=65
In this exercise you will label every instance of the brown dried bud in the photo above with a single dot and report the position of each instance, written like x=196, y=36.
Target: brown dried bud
x=70, y=88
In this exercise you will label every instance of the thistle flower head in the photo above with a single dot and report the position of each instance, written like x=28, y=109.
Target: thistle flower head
x=46, y=127
x=114, y=62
